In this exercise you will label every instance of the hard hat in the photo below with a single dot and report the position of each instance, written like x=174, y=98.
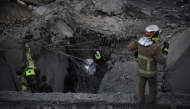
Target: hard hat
x=30, y=67
x=97, y=52
x=152, y=30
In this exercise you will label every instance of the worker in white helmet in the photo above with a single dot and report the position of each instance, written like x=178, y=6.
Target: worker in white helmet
x=149, y=53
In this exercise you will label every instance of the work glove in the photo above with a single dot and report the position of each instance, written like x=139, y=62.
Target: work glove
x=165, y=47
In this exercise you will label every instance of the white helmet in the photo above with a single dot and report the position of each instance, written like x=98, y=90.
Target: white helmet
x=152, y=30
x=30, y=67
x=97, y=52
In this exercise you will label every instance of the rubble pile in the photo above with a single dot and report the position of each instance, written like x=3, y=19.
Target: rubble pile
x=110, y=25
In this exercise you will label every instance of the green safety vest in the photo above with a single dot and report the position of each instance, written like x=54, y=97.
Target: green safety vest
x=30, y=72
x=97, y=56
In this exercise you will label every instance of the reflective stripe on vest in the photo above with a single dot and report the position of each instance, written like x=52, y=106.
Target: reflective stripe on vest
x=149, y=73
x=30, y=72
x=97, y=56
x=148, y=61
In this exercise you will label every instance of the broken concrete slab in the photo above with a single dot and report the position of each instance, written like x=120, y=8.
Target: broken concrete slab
x=85, y=100
x=38, y=1
x=147, y=12
x=14, y=51
x=8, y=78
x=64, y=28
x=179, y=42
x=44, y=10
x=121, y=78
x=54, y=67
x=36, y=34
x=177, y=74
x=110, y=6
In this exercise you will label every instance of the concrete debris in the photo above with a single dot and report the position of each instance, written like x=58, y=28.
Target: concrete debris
x=110, y=6
x=8, y=75
x=69, y=98
x=64, y=28
x=74, y=22
x=36, y=34
x=120, y=78
x=44, y=10
x=21, y=2
x=39, y=2
x=147, y=12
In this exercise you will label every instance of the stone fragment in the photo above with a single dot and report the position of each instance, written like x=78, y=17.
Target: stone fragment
x=110, y=6
x=64, y=28
x=110, y=107
x=36, y=34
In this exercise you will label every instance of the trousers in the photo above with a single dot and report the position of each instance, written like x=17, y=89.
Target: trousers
x=152, y=83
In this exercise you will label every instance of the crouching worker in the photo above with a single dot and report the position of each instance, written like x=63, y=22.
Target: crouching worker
x=70, y=82
x=30, y=77
x=44, y=86
x=149, y=53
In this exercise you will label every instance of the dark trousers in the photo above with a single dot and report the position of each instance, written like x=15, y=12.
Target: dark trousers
x=32, y=85
x=152, y=83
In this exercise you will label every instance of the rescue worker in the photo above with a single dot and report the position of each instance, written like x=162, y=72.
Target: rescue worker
x=44, y=86
x=31, y=78
x=70, y=82
x=149, y=53
x=98, y=58
x=186, y=1
x=21, y=78
x=179, y=3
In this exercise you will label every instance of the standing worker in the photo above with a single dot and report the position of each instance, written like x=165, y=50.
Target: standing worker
x=70, y=82
x=44, y=86
x=149, y=53
x=31, y=78
x=179, y=3
x=99, y=59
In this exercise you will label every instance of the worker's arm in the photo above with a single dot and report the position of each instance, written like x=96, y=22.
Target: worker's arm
x=133, y=47
x=159, y=56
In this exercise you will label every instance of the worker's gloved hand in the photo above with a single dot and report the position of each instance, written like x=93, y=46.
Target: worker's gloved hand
x=165, y=47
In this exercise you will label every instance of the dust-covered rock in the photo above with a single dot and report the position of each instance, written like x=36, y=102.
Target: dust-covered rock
x=110, y=6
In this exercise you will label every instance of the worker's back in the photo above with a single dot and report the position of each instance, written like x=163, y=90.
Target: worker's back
x=149, y=54
x=70, y=80
x=147, y=51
